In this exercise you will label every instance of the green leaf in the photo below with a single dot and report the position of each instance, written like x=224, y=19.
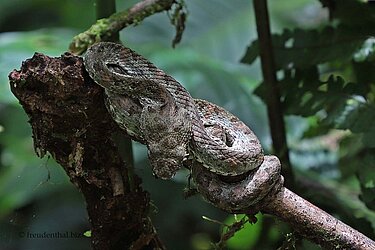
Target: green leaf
x=349, y=151
x=359, y=117
x=304, y=94
x=348, y=11
x=366, y=53
x=87, y=233
x=366, y=176
x=247, y=236
x=305, y=48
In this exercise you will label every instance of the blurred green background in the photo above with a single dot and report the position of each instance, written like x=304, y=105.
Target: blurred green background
x=36, y=195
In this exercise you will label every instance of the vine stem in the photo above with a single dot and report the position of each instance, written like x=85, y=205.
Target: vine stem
x=274, y=106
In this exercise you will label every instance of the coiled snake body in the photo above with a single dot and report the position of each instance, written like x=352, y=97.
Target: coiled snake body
x=158, y=111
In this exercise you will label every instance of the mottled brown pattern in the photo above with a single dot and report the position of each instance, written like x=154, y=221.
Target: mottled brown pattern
x=158, y=111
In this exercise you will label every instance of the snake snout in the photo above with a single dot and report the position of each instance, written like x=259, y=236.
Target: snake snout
x=164, y=168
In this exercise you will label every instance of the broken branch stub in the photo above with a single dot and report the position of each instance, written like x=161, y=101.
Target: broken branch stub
x=69, y=120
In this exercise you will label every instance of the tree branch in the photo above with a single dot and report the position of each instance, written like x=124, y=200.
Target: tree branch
x=104, y=29
x=274, y=106
x=262, y=191
x=69, y=120
x=315, y=224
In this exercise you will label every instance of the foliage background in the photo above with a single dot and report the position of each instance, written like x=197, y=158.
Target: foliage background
x=330, y=123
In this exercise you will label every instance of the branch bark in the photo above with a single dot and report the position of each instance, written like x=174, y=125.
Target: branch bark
x=104, y=29
x=69, y=120
x=315, y=224
x=262, y=191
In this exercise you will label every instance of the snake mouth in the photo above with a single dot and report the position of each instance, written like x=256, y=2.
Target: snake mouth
x=234, y=178
x=225, y=177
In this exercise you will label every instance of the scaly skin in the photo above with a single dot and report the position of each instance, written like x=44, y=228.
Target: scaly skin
x=158, y=111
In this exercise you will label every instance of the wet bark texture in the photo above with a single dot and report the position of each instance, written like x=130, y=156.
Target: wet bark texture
x=69, y=120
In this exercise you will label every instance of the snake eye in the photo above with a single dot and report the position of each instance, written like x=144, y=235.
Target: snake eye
x=229, y=140
x=117, y=69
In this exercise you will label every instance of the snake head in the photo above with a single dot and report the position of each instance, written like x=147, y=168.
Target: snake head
x=164, y=168
x=165, y=162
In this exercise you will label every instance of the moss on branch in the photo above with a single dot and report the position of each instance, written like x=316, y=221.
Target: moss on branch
x=104, y=28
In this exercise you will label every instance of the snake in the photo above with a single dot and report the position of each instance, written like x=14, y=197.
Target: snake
x=155, y=109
